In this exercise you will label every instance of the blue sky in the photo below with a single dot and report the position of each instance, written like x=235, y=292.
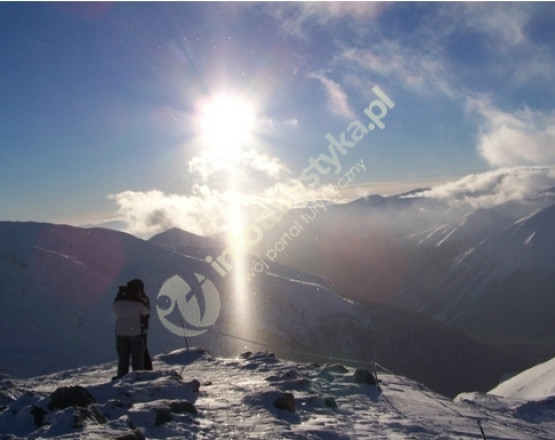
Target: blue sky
x=107, y=110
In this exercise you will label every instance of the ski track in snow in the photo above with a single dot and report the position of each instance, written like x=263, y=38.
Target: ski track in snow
x=236, y=401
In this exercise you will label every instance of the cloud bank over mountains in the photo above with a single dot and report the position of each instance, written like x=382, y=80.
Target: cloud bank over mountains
x=493, y=188
x=254, y=184
x=208, y=210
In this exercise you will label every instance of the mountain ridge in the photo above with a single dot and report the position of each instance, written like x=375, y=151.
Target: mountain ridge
x=58, y=283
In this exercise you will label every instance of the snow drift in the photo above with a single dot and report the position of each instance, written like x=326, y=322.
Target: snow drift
x=536, y=383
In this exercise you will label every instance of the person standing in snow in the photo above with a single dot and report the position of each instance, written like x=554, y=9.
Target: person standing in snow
x=130, y=310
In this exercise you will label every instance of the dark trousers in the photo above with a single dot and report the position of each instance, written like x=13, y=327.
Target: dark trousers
x=148, y=359
x=130, y=346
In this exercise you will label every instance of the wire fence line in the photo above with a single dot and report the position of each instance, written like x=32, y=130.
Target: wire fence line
x=306, y=353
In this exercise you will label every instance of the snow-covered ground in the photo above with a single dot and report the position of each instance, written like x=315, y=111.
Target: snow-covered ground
x=193, y=395
x=536, y=383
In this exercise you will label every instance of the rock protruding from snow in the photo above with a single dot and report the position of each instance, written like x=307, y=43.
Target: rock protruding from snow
x=286, y=401
x=65, y=397
x=362, y=375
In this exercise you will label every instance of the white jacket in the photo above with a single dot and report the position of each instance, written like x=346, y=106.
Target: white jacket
x=128, y=312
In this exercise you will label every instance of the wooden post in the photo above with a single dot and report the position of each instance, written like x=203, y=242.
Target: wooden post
x=482, y=430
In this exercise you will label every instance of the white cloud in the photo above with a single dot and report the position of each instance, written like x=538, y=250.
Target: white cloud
x=207, y=211
x=249, y=182
x=295, y=17
x=213, y=161
x=423, y=73
x=421, y=58
x=520, y=138
x=338, y=101
x=268, y=124
x=492, y=188
x=504, y=25
x=504, y=30
x=147, y=213
x=355, y=10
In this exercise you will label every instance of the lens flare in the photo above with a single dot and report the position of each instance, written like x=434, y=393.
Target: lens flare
x=226, y=125
x=226, y=121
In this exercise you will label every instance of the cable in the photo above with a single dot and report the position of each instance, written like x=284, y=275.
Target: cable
x=307, y=353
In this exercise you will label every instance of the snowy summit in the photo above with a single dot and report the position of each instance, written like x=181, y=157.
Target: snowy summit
x=192, y=395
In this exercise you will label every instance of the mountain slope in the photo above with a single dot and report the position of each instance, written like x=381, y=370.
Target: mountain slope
x=487, y=271
x=497, y=285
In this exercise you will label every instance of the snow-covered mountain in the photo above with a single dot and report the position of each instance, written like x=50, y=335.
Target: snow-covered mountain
x=193, y=395
x=57, y=284
x=491, y=275
x=477, y=255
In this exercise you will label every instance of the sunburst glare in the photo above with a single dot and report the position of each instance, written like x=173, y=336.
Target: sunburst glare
x=226, y=122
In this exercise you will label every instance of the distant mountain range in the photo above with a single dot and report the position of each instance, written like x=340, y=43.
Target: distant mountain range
x=487, y=271
x=57, y=284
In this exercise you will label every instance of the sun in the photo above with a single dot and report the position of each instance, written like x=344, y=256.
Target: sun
x=226, y=121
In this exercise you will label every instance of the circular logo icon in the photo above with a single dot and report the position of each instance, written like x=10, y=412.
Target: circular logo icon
x=188, y=310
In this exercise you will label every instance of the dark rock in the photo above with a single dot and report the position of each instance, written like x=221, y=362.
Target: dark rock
x=286, y=401
x=337, y=368
x=135, y=435
x=65, y=397
x=84, y=416
x=195, y=385
x=163, y=415
x=182, y=406
x=364, y=376
x=38, y=414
